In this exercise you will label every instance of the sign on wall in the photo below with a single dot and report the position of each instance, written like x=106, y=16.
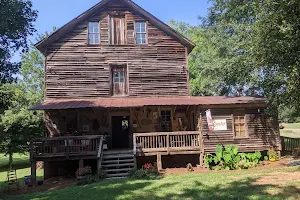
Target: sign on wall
x=220, y=124
x=217, y=124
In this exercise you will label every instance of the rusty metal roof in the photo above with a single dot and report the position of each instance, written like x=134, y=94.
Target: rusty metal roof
x=139, y=102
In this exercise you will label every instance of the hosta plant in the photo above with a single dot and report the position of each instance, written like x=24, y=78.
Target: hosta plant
x=228, y=158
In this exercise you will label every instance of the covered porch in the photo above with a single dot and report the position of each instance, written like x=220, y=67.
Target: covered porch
x=138, y=127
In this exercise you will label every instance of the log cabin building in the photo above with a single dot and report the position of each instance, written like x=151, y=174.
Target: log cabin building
x=117, y=96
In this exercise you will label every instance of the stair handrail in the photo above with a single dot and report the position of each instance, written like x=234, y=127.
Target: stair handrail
x=100, y=154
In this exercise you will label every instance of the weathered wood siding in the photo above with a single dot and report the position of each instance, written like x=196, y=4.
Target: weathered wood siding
x=78, y=70
x=263, y=132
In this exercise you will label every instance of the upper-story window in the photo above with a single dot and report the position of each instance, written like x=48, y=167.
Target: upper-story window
x=119, y=81
x=94, y=34
x=140, y=32
x=117, y=30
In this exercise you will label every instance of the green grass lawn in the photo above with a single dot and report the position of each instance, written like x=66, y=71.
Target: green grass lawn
x=244, y=184
x=292, y=126
x=21, y=163
x=291, y=130
x=290, y=133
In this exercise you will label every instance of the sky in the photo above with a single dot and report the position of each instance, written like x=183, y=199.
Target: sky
x=59, y=12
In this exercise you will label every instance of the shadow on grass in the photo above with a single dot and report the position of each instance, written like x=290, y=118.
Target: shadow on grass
x=18, y=163
x=128, y=189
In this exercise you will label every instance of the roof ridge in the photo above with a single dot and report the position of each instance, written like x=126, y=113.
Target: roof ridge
x=161, y=25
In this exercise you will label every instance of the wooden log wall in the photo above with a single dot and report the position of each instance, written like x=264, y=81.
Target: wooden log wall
x=78, y=70
x=262, y=132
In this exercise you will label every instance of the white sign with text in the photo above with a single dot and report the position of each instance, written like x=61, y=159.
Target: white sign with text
x=220, y=125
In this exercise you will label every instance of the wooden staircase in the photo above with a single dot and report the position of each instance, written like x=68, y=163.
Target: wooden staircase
x=117, y=163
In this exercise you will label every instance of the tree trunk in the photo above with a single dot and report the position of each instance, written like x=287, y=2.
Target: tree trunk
x=10, y=161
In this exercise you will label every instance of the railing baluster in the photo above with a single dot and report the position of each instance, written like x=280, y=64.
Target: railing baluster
x=167, y=141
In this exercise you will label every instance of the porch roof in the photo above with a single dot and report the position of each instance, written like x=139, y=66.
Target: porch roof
x=139, y=102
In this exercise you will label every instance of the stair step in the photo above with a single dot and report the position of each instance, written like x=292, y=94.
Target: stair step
x=117, y=152
x=117, y=161
x=119, y=175
x=119, y=165
x=117, y=170
x=105, y=157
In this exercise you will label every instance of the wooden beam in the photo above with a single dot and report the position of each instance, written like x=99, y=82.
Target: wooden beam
x=81, y=164
x=159, y=162
x=188, y=108
x=33, y=172
x=201, y=159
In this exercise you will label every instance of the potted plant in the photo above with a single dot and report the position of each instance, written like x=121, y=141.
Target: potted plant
x=83, y=174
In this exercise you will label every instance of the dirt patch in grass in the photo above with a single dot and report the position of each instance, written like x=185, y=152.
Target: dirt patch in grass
x=49, y=185
x=278, y=178
x=287, y=183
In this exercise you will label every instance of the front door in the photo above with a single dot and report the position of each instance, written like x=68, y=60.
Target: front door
x=120, y=132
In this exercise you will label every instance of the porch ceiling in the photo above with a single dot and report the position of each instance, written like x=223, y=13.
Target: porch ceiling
x=139, y=102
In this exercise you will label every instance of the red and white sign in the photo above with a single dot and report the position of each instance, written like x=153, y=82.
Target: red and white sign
x=209, y=121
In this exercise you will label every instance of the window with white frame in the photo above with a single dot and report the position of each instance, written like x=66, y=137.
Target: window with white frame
x=94, y=34
x=141, y=32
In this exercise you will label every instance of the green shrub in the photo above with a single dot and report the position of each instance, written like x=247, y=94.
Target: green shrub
x=228, y=158
x=266, y=158
x=273, y=155
x=148, y=171
x=143, y=174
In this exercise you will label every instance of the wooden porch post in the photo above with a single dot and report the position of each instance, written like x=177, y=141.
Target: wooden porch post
x=201, y=141
x=134, y=150
x=201, y=159
x=81, y=163
x=33, y=172
x=98, y=166
x=159, y=162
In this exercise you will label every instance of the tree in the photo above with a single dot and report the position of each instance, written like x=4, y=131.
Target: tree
x=17, y=25
x=253, y=50
x=267, y=43
x=18, y=125
x=203, y=60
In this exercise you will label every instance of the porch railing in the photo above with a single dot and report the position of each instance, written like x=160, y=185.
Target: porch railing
x=65, y=146
x=166, y=142
x=290, y=144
